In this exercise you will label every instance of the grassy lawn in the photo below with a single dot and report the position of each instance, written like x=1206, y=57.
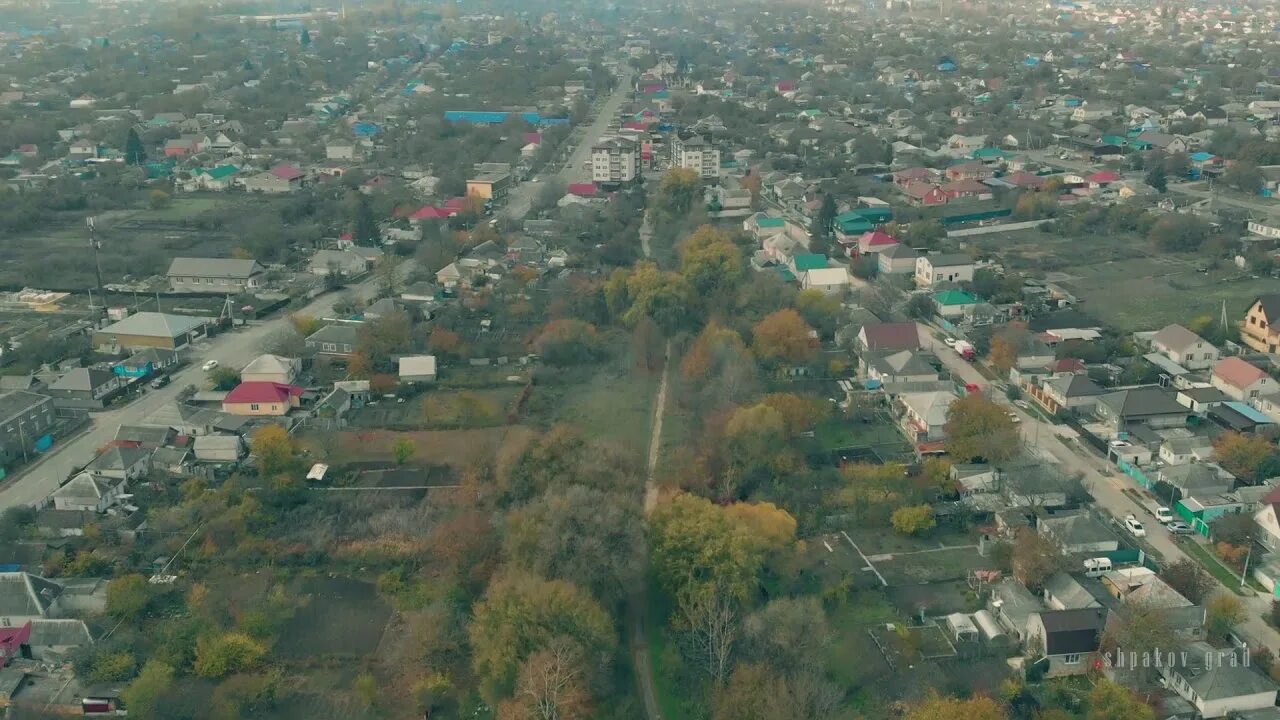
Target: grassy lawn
x=836, y=434
x=1211, y=563
x=180, y=208
x=612, y=407
x=670, y=702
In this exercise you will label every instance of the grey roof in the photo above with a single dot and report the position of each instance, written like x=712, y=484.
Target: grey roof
x=949, y=259
x=217, y=442
x=902, y=362
x=147, y=435
x=268, y=364
x=1076, y=385
x=1196, y=477
x=168, y=457
x=1076, y=529
x=64, y=633
x=1175, y=337
x=23, y=594
x=1142, y=401
x=152, y=355
x=118, y=458
x=233, y=268
x=347, y=334
x=1270, y=306
x=154, y=324
x=18, y=402
x=899, y=252
x=17, y=382
x=1213, y=675
x=1205, y=395
x=85, y=486
x=1068, y=591
x=82, y=380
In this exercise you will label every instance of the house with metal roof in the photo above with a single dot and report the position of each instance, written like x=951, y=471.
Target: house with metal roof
x=25, y=597
x=151, y=330
x=214, y=275
x=88, y=493
x=1220, y=682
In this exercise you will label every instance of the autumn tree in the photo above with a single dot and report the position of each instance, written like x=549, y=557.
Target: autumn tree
x=790, y=634
x=939, y=707
x=978, y=428
x=720, y=367
x=677, y=191
x=128, y=597
x=1222, y=614
x=1113, y=701
x=1006, y=345
x=1243, y=455
x=821, y=310
x=145, y=694
x=872, y=489
x=758, y=691
x=1035, y=558
x=521, y=615
x=663, y=297
x=221, y=655
x=551, y=685
x=403, y=450
x=784, y=337
x=913, y=519
x=647, y=347
x=1189, y=579
x=1143, y=629
x=710, y=261
x=274, y=449
x=756, y=436
x=798, y=412
x=568, y=342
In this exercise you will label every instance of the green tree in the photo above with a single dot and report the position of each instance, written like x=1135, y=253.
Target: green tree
x=221, y=655
x=914, y=519
x=224, y=379
x=364, y=226
x=304, y=39
x=128, y=597
x=522, y=614
x=938, y=707
x=1189, y=579
x=1222, y=614
x=677, y=191
x=1244, y=176
x=978, y=428
x=1112, y=701
x=144, y=695
x=113, y=667
x=1158, y=178
x=134, y=153
x=403, y=450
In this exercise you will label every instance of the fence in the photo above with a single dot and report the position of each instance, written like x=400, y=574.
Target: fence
x=993, y=229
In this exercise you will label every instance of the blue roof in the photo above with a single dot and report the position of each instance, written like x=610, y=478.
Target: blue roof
x=494, y=117
x=1250, y=413
x=1202, y=156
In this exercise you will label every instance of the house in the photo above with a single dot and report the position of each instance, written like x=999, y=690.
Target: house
x=1071, y=392
x=214, y=275
x=121, y=463
x=923, y=416
x=1261, y=327
x=876, y=241
x=1196, y=479
x=1064, y=592
x=343, y=263
x=898, y=366
x=218, y=448
x=966, y=189
x=969, y=171
x=1184, y=448
x=1170, y=144
x=1241, y=379
x=151, y=330
x=828, y=280
x=1219, y=682
x=943, y=267
x=145, y=363
x=334, y=340
x=216, y=179
x=1140, y=586
x=340, y=151
x=896, y=259
x=1147, y=405
x=1078, y=533
x=25, y=597
x=182, y=146
x=262, y=398
x=418, y=369
x=279, y=179
x=1185, y=347
x=25, y=421
x=888, y=336
x=1267, y=518
x=1012, y=605
x=89, y=388
x=924, y=194
x=88, y=493
x=489, y=186
x=272, y=369
x=1066, y=639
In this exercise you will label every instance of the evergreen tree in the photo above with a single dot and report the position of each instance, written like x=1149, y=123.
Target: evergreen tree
x=823, y=224
x=305, y=39
x=134, y=153
x=364, y=228
x=1158, y=178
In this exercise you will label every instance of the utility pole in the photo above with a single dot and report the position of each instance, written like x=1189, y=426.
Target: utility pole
x=97, y=263
x=1248, y=555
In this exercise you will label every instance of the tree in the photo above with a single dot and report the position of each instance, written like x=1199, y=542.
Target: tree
x=1112, y=701
x=798, y=413
x=568, y=342
x=1006, y=345
x=134, y=153
x=403, y=450
x=914, y=519
x=520, y=615
x=1035, y=558
x=221, y=655
x=697, y=549
x=1143, y=630
x=1184, y=233
x=551, y=685
x=304, y=39
x=790, y=634
x=755, y=436
x=979, y=428
x=158, y=199
x=224, y=378
x=589, y=537
x=710, y=261
x=366, y=688
x=1244, y=176
x=1158, y=178
x=823, y=223
x=364, y=227
x=938, y=707
x=143, y=696
x=783, y=336
x=1189, y=579
x=647, y=347
x=920, y=307
x=274, y=448
x=1222, y=614
x=677, y=191
x=1243, y=455
x=128, y=597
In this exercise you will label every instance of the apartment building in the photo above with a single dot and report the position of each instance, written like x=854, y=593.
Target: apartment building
x=615, y=160
x=698, y=155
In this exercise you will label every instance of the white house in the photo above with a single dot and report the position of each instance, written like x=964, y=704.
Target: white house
x=271, y=368
x=943, y=267
x=341, y=262
x=830, y=280
x=1219, y=682
x=1185, y=348
x=88, y=493
x=1242, y=380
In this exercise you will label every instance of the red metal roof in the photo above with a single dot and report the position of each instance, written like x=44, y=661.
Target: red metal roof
x=430, y=212
x=262, y=392
x=286, y=172
x=879, y=238
x=584, y=189
x=1104, y=176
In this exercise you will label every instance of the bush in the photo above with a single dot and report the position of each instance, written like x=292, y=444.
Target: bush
x=913, y=519
x=218, y=656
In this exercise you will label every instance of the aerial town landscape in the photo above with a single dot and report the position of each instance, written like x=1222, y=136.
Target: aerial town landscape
x=682, y=360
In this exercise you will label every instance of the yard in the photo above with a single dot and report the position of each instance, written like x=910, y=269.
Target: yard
x=611, y=406
x=340, y=617
x=456, y=448
x=875, y=441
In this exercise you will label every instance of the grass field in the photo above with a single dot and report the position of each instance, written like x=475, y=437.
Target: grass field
x=456, y=448
x=838, y=434
x=612, y=407
x=341, y=617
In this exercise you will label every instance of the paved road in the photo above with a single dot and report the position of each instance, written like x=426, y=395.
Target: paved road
x=1107, y=490
x=521, y=198
x=232, y=349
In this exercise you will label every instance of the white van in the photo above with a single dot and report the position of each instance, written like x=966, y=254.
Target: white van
x=1095, y=567
x=1164, y=515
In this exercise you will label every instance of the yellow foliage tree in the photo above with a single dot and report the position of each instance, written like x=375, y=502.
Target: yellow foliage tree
x=784, y=336
x=914, y=519
x=938, y=707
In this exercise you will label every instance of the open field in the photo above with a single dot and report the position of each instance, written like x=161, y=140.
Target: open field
x=930, y=566
x=611, y=407
x=456, y=448
x=350, y=612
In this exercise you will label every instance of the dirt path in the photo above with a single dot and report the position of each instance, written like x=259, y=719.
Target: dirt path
x=640, y=607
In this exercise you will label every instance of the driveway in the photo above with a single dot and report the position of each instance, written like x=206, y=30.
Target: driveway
x=1107, y=489
x=232, y=349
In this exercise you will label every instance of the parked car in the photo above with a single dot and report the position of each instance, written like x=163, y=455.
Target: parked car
x=1179, y=528
x=949, y=341
x=1164, y=515
x=209, y=365
x=160, y=381
x=1134, y=527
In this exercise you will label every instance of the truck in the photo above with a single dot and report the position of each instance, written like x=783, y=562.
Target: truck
x=965, y=349
x=1161, y=513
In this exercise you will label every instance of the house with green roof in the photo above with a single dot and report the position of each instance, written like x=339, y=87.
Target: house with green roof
x=954, y=303
x=810, y=261
x=989, y=155
x=761, y=226
x=218, y=178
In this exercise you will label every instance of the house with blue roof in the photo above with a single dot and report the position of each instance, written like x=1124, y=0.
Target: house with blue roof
x=366, y=129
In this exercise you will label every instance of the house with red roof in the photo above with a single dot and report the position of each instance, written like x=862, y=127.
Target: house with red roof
x=1102, y=178
x=1242, y=380
x=430, y=212
x=785, y=86
x=1024, y=181
x=903, y=178
x=969, y=171
x=262, y=398
x=586, y=190
x=875, y=241
x=924, y=193
x=966, y=188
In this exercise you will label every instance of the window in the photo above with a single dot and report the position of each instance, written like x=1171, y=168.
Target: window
x=1072, y=659
x=253, y=406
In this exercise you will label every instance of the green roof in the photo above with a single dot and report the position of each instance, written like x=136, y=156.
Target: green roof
x=988, y=152
x=805, y=263
x=771, y=222
x=784, y=272
x=1115, y=140
x=222, y=171
x=950, y=298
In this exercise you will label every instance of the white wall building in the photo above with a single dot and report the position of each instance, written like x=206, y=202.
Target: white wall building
x=615, y=160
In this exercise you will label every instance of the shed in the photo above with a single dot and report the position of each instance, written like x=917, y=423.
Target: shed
x=961, y=627
x=991, y=629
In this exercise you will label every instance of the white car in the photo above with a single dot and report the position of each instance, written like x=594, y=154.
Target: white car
x=949, y=341
x=1134, y=527
x=209, y=365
